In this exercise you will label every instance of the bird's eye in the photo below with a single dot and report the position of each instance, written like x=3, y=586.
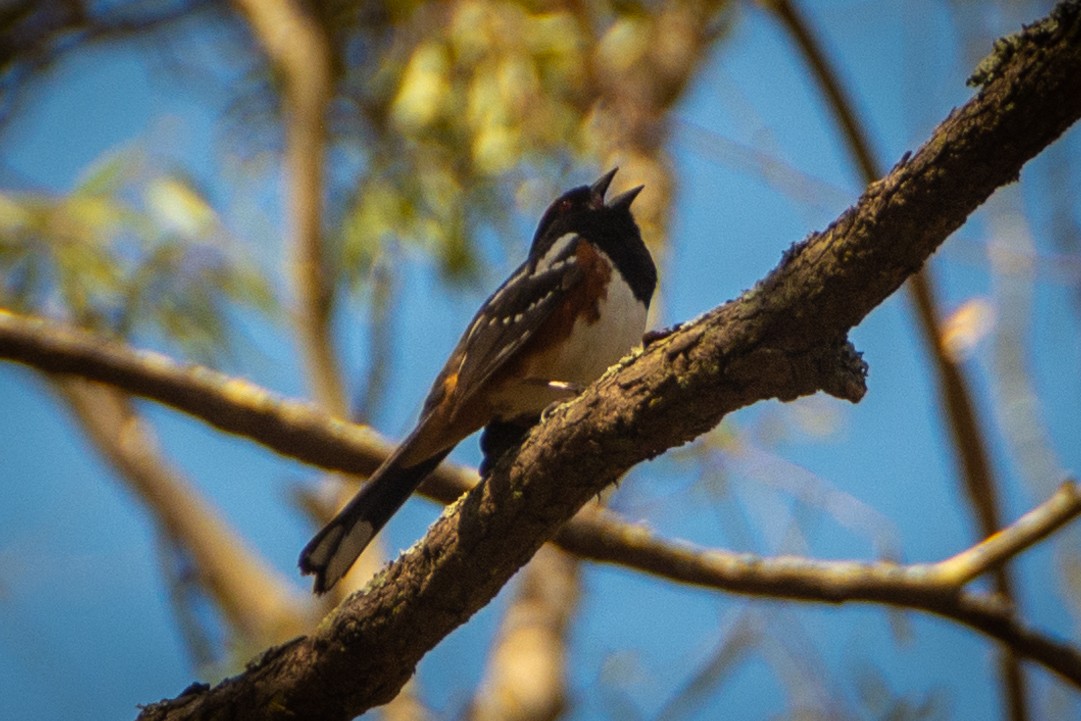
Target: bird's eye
x=565, y=205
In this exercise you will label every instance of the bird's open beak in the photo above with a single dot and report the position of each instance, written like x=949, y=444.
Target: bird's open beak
x=601, y=186
x=624, y=200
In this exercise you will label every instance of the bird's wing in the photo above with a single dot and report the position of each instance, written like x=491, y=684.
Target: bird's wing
x=508, y=319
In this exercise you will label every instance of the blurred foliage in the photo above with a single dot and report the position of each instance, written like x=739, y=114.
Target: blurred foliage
x=454, y=99
x=882, y=703
x=468, y=111
x=447, y=117
x=131, y=249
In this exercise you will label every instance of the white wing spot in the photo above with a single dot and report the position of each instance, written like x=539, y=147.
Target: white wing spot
x=540, y=300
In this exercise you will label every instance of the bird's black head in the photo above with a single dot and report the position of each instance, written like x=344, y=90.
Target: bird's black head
x=610, y=226
x=579, y=208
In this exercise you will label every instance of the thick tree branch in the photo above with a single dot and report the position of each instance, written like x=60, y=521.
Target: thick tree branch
x=592, y=534
x=935, y=588
x=783, y=339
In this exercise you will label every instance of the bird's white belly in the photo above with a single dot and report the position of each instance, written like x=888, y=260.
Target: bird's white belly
x=591, y=349
x=582, y=357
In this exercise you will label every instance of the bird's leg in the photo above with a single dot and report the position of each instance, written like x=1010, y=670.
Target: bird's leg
x=498, y=437
x=564, y=391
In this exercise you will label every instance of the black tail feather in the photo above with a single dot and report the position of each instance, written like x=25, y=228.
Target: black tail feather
x=332, y=552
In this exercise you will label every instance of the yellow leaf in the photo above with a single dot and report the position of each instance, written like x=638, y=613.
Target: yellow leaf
x=423, y=92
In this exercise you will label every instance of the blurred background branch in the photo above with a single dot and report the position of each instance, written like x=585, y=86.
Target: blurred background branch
x=261, y=606
x=299, y=50
x=954, y=396
x=597, y=535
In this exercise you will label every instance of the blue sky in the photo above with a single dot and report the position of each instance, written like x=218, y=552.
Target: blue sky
x=85, y=626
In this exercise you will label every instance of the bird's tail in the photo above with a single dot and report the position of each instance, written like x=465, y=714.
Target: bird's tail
x=332, y=552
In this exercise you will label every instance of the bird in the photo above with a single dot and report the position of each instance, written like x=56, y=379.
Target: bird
x=575, y=306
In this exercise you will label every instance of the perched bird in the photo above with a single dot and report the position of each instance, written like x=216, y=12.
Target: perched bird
x=574, y=307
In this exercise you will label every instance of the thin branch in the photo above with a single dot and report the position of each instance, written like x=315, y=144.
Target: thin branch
x=36, y=35
x=736, y=636
x=259, y=603
x=968, y=439
x=380, y=343
x=829, y=82
x=636, y=546
x=970, y=445
x=234, y=405
x=1023, y=533
x=750, y=159
x=956, y=398
x=185, y=590
x=593, y=534
x=928, y=587
x=783, y=339
x=525, y=677
x=298, y=47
